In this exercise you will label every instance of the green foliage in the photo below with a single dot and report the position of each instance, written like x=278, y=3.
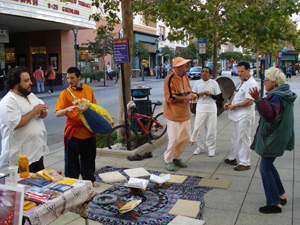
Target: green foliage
x=114, y=73
x=107, y=11
x=168, y=53
x=140, y=50
x=102, y=45
x=258, y=26
x=261, y=25
x=93, y=75
x=101, y=140
x=237, y=56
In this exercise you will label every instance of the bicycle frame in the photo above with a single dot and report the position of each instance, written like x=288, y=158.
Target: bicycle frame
x=146, y=130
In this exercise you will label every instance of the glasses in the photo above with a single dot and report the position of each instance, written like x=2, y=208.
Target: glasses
x=266, y=81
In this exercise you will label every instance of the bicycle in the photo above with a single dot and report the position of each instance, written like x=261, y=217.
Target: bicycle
x=155, y=128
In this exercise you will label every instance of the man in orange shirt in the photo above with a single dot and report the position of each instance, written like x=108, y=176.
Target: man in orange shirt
x=178, y=93
x=80, y=143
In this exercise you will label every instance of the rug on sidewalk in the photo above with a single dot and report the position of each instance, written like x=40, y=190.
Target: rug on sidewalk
x=156, y=202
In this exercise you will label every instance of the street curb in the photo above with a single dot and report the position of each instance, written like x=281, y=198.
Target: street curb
x=140, y=150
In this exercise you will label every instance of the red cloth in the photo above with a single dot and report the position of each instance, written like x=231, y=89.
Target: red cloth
x=71, y=126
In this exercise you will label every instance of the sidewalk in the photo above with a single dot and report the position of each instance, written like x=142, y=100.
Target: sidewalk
x=237, y=205
x=95, y=85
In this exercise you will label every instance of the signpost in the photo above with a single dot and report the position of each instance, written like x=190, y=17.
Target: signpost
x=202, y=40
x=121, y=55
x=262, y=75
x=202, y=48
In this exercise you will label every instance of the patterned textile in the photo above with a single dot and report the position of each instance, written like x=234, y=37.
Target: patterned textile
x=81, y=192
x=156, y=202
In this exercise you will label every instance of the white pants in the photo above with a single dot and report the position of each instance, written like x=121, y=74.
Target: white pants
x=241, y=141
x=178, y=138
x=205, y=129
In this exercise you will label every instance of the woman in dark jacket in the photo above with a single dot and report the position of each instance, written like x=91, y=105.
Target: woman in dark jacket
x=274, y=135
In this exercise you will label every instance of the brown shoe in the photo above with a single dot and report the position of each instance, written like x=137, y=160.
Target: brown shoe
x=242, y=168
x=231, y=162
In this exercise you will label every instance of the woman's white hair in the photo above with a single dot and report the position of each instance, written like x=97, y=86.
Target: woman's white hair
x=275, y=74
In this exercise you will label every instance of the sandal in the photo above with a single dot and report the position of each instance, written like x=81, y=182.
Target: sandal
x=135, y=157
x=147, y=155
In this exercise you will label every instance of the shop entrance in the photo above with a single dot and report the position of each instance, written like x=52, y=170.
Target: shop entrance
x=38, y=60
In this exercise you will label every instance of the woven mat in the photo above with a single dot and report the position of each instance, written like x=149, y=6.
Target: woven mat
x=156, y=202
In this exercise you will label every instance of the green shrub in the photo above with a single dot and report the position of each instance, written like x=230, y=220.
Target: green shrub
x=101, y=140
x=114, y=73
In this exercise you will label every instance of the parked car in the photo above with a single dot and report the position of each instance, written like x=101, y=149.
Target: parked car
x=195, y=72
x=234, y=70
x=219, y=67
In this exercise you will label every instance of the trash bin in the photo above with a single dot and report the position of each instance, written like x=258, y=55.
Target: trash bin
x=143, y=106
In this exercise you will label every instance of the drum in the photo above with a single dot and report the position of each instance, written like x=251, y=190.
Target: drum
x=95, y=118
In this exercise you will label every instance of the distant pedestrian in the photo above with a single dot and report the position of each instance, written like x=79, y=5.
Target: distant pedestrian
x=109, y=72
x=274, y=135
x=8, y=69
x=39, y=77
x=166, y=68
x=178, y=93
x=242, y=113
x=283, y=69
x=297, y=68
x=2, y=79
x=289, y=72
x=161, y=71
x=50, y=74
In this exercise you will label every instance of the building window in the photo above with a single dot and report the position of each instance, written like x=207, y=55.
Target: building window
x=10, y=55
x=38, y=50
x=162, y=33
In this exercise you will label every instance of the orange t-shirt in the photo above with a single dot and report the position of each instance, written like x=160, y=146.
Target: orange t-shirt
x=176, y=86
x=66, y=99
x=51, y=76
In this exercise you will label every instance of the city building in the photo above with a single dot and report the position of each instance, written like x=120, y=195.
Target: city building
x=39, y=33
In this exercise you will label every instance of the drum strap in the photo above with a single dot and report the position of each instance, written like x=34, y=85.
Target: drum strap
x=75, y=99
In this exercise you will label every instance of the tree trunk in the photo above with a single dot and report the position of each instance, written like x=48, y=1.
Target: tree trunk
x=215, y=55
x=127, y=25
x=215, y=42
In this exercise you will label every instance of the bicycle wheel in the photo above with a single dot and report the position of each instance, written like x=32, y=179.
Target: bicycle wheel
x=162, y=121
x=116, y=139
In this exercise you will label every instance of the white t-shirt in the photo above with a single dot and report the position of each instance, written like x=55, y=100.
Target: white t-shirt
x=206, y=103
x=241, y=95
x=31, y=139
x=108, y=68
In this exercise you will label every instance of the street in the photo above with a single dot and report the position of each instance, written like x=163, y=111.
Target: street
x=107, y=98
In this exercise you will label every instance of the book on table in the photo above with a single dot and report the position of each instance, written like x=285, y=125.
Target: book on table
x=53, y=175
x=129, y=206
x=160, y=180
x=137, y=183
x=39, y=182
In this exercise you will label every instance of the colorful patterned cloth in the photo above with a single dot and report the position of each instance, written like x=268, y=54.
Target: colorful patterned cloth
x=156, y=202
x=46, y=213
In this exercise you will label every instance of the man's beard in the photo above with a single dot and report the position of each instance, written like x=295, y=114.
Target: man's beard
x=23, y=91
